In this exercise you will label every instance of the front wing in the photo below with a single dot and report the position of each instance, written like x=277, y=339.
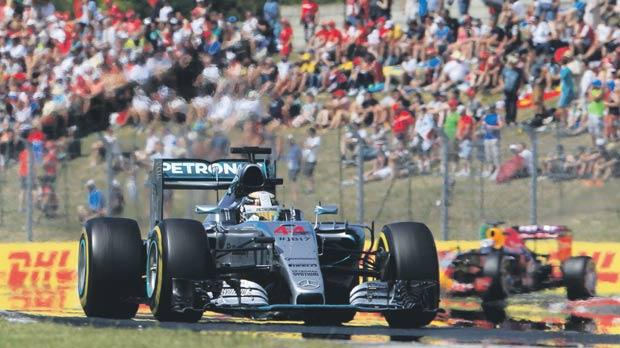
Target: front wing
x=247, y=298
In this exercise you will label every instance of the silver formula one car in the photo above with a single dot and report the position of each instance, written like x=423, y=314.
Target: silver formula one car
x=254, y=257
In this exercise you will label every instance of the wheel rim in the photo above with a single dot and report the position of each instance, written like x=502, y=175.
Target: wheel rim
x=151, y=267
x=82, y=267
x=590, y=278
x=382, y=247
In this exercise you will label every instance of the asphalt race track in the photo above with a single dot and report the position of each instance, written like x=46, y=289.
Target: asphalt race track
x=538, y=320
x=453, y=334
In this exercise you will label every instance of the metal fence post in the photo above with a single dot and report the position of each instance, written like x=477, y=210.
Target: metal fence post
x=190, y=193
x=340, y=194
x=445, y=185
x=481, y=191
x=65, y=179
x=531, y=132
x=133, y=190
x=29, y=187
x=2, y=183
x=559, y=182
x=409, y=193
x=360, y=181
x=4, y=158
x=109, y=172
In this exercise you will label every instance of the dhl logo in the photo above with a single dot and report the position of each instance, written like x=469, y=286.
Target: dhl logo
x=39, y=269
x=604, y=262
x=37, y=279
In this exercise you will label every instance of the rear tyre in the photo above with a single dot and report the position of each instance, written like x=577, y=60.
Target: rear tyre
x=176, y=248
x=579, y=277
x=413, y=256
x=110, y=268
x=497, y=267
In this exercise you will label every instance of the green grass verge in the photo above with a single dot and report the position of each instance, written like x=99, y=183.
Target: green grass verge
x=592, y=212
x=38, y=335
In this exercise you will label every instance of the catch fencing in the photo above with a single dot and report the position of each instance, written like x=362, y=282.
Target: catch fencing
x=452, y=203
x=562, y=190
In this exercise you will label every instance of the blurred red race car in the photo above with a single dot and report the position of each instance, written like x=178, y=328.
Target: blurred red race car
x=505, y=264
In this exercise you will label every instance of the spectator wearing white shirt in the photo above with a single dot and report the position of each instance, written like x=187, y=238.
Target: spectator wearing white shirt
x=310, y=154
x=547, y=9
x=18, y=50
x=222, y=108
x=518, y=9
x=210, y=73
x=151, y=141
x=250, y=25
x=44, y=9
x=592, y=14
x=453, y=73
x=165, y=12
x=541, y=36
x=309, y=110
x=23, y=113
x=140, y=107
x=587, y=78
x=527, y=158
x=169, y=140
x=284, y=66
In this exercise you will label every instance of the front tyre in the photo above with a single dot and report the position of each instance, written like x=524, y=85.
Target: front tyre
x=110, y=268
x=413, y=256
x=579, y=275
x=176, y=248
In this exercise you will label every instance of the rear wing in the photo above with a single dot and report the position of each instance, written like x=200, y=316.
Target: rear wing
x=198, y=174
x=533, y=232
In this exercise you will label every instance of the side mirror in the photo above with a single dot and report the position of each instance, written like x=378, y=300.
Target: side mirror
x=326, y=210
x=207, y=209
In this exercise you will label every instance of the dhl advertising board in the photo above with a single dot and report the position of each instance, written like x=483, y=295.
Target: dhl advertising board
x=38, y=276
x=42, y=276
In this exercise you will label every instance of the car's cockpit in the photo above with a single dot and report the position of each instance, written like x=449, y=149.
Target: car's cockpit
x=259, y=206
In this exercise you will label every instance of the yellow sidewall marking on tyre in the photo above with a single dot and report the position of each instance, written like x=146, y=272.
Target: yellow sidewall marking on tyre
x=382, y=238
x=84, y=296
x=160, y=269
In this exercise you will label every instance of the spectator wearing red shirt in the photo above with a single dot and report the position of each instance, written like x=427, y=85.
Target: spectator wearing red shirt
x=286, y=38
x=465, y=136
x=402, y=122
x=362, y=34
x=50, y=162
x=320, y=37
x=309, y=12
x=376, y=69
x=334, y=40
x=334, y=35
x=36, y=137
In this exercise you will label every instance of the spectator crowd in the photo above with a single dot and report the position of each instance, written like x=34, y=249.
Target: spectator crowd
x=399, y=90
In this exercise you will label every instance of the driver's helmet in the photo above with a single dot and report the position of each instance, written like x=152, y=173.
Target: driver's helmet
x=260, y=206
x=492, y=237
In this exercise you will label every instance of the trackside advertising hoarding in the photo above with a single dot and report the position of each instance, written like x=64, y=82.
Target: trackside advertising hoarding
x=41, y=277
